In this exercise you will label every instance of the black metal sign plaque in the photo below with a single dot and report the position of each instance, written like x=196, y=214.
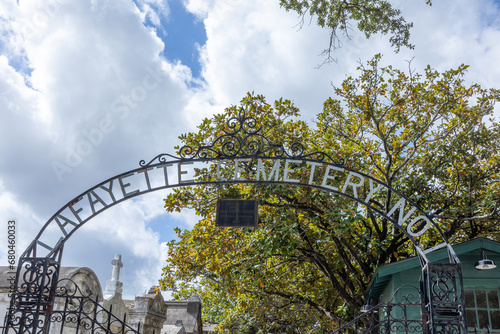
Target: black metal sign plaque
x=236, y=212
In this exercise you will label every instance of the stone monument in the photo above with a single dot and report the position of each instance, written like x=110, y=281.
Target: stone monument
x=113, y=294
x=114, y=286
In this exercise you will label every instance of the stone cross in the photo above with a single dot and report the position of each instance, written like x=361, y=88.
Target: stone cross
x=114, y=286
x=117, y=264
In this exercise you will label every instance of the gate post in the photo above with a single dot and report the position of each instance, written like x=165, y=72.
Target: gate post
x=444, y=300
x=32, y=300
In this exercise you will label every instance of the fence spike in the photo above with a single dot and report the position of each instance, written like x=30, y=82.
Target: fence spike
x=124, y=320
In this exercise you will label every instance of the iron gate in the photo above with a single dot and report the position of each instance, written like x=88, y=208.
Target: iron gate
x=64, y=306
x=32, y=304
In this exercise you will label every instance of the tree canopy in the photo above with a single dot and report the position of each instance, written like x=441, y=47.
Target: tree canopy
x=309, y=262
x=371, y=16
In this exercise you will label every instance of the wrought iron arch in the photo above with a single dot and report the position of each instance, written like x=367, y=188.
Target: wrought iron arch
x=243, y=142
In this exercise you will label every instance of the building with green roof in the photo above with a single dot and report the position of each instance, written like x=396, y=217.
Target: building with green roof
x=394, y=302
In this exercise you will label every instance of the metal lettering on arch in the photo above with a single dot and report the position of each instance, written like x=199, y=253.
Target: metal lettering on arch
x=334, y=178
x=242, y=154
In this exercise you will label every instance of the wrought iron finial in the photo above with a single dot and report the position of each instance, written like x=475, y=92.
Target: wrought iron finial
x=243, y=137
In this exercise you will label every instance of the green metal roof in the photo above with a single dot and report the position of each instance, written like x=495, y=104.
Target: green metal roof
x=383, y=275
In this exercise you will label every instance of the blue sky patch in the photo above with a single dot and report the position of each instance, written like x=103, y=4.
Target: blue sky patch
x=164, y=224
x=182, y=31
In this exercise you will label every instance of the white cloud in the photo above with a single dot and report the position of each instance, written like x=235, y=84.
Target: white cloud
x=27, y=223
x=95, y=67
x=121, y=230
x=452, y=33
x=264, y=51
x=99, y=99
x=187, y=217
x=153, y=10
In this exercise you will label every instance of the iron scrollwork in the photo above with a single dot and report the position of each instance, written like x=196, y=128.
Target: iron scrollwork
x=33, y=295
x=445, y=302
x=440, y=299
x=390, y=316
x=32, y=304
x=72, y=309
x=64, y=305
x=243, y=138
x=79, y=309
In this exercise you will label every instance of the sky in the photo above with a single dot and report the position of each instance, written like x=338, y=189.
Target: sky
x=88, y=88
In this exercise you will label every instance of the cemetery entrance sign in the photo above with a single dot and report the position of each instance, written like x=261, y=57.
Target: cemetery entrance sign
x=334, y=178
x=240, y=155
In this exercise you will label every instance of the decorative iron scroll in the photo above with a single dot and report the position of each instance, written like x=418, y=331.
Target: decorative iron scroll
x=80, y=311
x=244, y=138
x=71, y=310
x=33, y=295
x=445, y=300
x=32, y=302
x=392, y=316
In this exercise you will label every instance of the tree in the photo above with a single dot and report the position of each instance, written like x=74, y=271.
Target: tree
x=372, y=17
x=308, y=264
